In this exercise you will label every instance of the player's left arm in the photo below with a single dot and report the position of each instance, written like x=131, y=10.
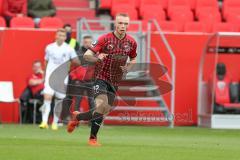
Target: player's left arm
x=132, y=61
x=74, y=58
x=75, y=61
x=129, y=66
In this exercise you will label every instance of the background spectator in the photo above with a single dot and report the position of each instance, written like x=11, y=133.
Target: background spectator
x=70, y=40
x=33, y=90
x=14, y=8
x=40, y=8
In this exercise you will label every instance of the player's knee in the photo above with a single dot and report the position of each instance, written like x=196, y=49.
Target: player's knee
x=103, y=108
x=107, y=109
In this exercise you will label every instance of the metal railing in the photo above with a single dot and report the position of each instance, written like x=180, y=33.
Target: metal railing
x=173, y=59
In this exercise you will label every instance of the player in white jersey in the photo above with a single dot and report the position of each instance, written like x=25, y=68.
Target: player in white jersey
x=57, y=53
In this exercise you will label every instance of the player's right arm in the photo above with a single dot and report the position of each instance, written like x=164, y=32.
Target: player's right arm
x=46, y=58
x=91, y=54
x=91, y=57
x=45, y=68
x=34, y=82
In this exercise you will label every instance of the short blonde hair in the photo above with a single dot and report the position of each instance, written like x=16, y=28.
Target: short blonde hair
x=122, y=15
x=62, y=30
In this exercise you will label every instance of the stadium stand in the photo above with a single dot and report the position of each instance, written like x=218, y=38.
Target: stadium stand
x=22, y=22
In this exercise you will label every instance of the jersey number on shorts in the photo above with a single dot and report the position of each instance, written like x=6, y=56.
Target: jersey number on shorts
x=96, y=89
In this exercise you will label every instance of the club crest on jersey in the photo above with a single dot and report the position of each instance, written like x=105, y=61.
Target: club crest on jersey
x=110, y=46
x=94, y=43
x=126, y=47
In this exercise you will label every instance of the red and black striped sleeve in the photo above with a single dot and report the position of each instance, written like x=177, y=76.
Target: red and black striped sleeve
x=97, y=45
x=133, y=52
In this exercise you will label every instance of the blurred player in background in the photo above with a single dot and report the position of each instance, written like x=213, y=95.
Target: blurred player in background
x=57, y=53
x=110, y=54
x=80, y=76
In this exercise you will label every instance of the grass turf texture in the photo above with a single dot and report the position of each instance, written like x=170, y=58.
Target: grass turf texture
x=27, y=142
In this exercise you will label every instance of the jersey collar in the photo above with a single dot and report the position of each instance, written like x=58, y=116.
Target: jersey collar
x=117, y=37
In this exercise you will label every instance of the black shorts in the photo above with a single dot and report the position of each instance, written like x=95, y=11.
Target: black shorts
x=103, y=87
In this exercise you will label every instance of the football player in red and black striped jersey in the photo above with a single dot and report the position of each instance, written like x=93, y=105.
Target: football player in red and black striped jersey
x=110, y=54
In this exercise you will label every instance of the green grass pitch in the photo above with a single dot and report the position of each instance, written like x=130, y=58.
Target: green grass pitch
x=28, y=142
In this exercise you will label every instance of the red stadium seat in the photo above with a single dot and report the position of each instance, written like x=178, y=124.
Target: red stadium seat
x=233, y=18
x=178, y=9
x=137, y=3
x=181, y=18
x=195, y=27
x=224, y=99
x=213, y=16
x=193, y=4
x=176, y=5
x=209, y=19
x=125, y=6
x=22, y=22
x=224, y=27
x=134, y=27
x=123, y=2
x=207, y=5
x=230, y=6
x=159, y=15
x=51, y=23
x=209, y=10
x=2, y=22
x=71, y=3
x=150, y=5
x=168, y=26
x=222, y=92
x=131, y=12
x=163, y=3
x=105, y=4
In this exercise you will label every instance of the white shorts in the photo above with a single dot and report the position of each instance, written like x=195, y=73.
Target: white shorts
x=48, y=90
